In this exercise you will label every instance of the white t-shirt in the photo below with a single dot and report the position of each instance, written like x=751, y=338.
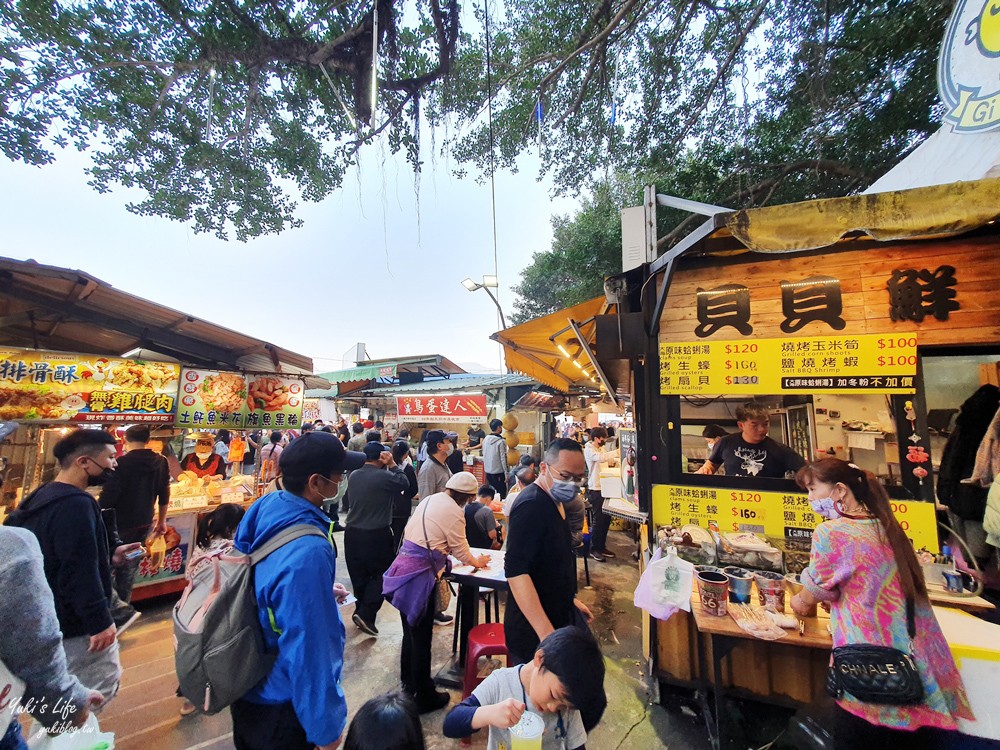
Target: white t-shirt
x=563, y=730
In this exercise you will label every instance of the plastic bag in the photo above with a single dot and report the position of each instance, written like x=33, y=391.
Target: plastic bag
x=87, y=737
x=665, y=585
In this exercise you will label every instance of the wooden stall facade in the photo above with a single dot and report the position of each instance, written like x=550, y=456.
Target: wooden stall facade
x=863, y=270
x=942, y=292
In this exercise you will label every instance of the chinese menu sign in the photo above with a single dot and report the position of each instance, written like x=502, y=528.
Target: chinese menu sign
x=867, y=363
x=213, y=400
x=441, y=408
x=773, y=514
x=38, y=386
x=180, y=539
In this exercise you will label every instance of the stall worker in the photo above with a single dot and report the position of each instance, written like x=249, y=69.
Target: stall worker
x=750, y=452
x=204, y=461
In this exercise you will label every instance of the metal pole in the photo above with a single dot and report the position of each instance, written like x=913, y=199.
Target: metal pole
x=503, y=321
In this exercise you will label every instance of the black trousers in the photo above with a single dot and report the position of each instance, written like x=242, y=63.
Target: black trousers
x=415, y=654
x=369, y=554
x=261, y=727
x=398, y=526
x=851, y=732
x=499, y=483
x=602, y=521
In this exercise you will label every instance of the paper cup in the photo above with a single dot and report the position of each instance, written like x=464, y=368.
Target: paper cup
x=771, y=590
x=713, y=588
x=527, y=733
x=740, y=584
x=794, y=586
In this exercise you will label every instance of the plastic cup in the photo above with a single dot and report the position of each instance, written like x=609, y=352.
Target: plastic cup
x=713, y=589
x=771, y=590
x=794, y=586
x=527, y=733
x=740, y=584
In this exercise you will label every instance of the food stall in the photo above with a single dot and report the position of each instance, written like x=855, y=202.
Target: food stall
x=852, y=321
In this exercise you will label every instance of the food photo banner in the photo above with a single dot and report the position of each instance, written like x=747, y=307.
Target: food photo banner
x=210, y=399
x=430, y=409
x=866, y=363
x=774, y=514
x=39, y=386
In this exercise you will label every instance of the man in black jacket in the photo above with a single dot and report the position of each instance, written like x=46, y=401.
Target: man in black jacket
x=76, y=558
x=141, y=480
x=368, y=548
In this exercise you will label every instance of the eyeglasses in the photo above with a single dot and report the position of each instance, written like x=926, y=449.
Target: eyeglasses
x=563, y=477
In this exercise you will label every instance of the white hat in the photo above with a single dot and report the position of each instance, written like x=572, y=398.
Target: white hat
x=463, y=481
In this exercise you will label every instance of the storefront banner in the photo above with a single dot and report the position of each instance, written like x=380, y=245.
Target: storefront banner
x=432, y=409
x=773, y=514
x=867, y=363
x=210, y=399
x=37, y=386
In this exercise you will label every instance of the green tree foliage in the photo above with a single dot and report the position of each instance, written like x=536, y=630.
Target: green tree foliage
x=224, y=113
x=737, y=105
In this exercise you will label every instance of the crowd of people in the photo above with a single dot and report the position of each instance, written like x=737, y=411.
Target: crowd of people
x=67, y=565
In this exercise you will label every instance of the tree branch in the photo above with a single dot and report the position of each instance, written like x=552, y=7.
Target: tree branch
x=388, y=121
x=282, y=17
x=248, y=23
x=180, y=21
x=323, y=11
x=622, y=12
x=583, y=91
x=723, y=69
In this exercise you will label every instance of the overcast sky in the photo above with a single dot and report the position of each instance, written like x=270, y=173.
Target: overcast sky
x=363, y=268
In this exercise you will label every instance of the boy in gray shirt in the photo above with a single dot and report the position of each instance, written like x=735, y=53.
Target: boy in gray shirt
x=563, y=684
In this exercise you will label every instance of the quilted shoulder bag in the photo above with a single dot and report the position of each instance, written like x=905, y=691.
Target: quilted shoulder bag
x=442, y=591
x=877, y=674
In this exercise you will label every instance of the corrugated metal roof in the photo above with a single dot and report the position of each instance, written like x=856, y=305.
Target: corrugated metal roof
x=454, y=384
x=46, y=307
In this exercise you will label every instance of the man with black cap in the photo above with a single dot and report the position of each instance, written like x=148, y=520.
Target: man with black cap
x=368, y=547
x=455, y=461
x=300, y=704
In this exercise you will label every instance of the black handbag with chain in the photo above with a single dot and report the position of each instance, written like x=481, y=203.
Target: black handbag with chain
x=877, y=674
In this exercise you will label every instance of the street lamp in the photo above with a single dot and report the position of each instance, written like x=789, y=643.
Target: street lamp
x=489, y=282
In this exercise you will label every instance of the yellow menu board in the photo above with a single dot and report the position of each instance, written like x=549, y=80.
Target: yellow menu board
x=774, y=514
x=867, y=363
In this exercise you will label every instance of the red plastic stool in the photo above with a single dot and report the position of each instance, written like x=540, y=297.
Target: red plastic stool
x=484, y=640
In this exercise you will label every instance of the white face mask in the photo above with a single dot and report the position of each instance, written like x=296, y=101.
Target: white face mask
x=203, y=453
x=451, y=449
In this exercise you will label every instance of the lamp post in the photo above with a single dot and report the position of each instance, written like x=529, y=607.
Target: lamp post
x=489, y=282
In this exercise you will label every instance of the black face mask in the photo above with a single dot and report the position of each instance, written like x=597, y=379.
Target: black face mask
x=94, y=480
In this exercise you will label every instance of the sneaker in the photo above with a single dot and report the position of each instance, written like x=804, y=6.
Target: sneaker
x=608, y=553
x=595, y=555
x=363, y=626
x=440, y=618
x=124, y=624
x=187, y=708
x=431, y=702
x=339, y=527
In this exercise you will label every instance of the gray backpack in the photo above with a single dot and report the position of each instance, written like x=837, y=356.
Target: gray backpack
x=219, y=647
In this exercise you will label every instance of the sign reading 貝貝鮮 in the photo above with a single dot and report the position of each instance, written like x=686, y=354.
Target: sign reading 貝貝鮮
x=431, y=409
x=773, y=514
x=867, y=363
x=39, y=386
x=213, y=400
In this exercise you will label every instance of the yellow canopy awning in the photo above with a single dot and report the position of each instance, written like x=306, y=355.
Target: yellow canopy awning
x=532, y=348
x=920, y=213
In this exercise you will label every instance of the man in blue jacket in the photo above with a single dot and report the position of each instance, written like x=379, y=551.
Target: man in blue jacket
x=300, y=704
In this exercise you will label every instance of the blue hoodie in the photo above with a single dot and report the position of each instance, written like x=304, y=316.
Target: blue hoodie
x=299, y=615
